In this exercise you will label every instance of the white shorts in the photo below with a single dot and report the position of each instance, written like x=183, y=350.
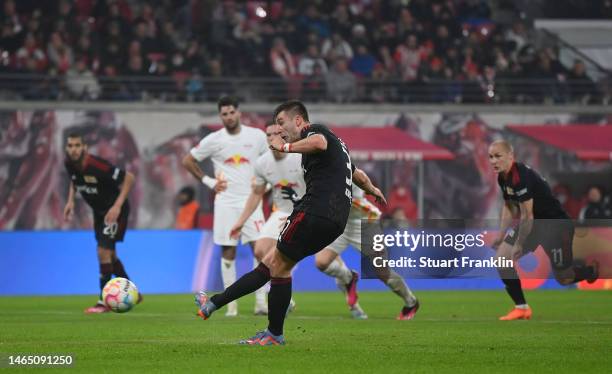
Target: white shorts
x=224, y=220
x=272, y=227
x=351, y=235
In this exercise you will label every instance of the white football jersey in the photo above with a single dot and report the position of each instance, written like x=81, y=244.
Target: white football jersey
x=280, y=173
x=234, y=156
x=362, y=208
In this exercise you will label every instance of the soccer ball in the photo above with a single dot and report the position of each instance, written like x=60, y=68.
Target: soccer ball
x=120, y=295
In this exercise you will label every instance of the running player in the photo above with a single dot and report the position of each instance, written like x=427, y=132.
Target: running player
x=330, y=262
x=315, y=222
x=105, y=189
x=282, y=171
x=233, y=150
x=542, y=221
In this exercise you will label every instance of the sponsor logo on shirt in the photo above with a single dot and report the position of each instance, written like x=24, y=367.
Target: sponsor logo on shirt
x=285, y=183
x=90, y=179
x=88, y=190
x=236, y=160
x=509, y=191
x=521, y=192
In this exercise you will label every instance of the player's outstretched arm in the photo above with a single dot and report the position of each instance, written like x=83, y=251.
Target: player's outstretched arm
x=191, y=164
x=251, y=204
x=361, y=179
x=313, y=144
x=115, y=210
x=69, y=208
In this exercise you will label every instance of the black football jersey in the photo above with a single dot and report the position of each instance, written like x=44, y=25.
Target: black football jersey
x=523, y=183
x=98, y=182
x=328, y=176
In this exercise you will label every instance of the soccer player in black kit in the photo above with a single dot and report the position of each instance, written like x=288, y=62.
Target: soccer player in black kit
x=542, y=221
x=316, y=221
x=105, y=189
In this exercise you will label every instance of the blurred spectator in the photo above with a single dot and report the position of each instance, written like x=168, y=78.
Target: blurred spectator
x=187, y=215
x=112, y=87
x=341, y=83
x=400, y=198
x=336, y=47
x=30, y=57
x=598, y=205
x=582, y=88
x=59, y=54
x=81, y=82
x=466, y=41
x=281, y=60
x=570, y=204
x=309, y=60
x=314, y=85
x=363, y=62
x=408, y=58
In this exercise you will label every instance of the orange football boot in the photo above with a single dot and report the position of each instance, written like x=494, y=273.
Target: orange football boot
x=517, y=313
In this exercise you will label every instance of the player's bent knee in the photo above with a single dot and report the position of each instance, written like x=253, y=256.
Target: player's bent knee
x=280, y=266
x=324, y=258
x=228, y=252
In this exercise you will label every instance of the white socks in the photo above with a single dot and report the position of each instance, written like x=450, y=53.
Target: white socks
x=521, y=306
x=228, y=274
x=260, y=294
x=339, y=271
x=398, y=286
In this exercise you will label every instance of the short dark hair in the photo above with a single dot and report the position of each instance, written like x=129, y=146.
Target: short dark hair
x=74, y=135
x=293, y=108
x=227, y=101
x=270, y=123
x=189, y=191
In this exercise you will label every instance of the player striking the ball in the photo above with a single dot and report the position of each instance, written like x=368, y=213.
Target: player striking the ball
x=542, y=222
x=318, y=219
x=233, y=151
x=105, y=189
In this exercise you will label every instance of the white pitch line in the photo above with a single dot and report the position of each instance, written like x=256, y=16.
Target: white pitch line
x=312, y=317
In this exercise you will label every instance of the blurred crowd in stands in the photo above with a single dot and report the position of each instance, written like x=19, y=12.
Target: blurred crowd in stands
x=345, y=50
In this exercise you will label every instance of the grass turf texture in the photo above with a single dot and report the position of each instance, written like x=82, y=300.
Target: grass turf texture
x=454, y=332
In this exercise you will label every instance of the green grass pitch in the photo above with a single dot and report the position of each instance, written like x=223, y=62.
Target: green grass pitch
x=454, y=332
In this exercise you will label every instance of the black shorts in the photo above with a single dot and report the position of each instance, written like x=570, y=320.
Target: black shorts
x=108, y=235
x=556, y=236
x=304, y=235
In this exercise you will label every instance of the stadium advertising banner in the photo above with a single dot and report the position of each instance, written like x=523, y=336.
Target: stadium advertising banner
x=34, y=184
x=429, y=254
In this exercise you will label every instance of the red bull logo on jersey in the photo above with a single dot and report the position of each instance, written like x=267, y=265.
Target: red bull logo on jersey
x=285, y=183
x=237, y=160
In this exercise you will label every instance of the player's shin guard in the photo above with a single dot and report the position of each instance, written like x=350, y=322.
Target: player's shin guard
x=106, y=273
x=118, y=269
x=338, y=270
x=228, y=272
x=515, y=290
x=278, y=302
x=260, y=294
x=245, y=285
x=397, y=284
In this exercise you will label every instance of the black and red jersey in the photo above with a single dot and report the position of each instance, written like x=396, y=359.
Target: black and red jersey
x=522, y=183
x=328, y=176
x=99, y=182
